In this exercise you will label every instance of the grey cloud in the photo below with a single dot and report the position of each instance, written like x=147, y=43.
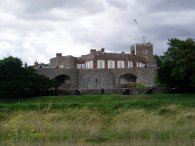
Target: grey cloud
x=122, y=4
x=42, y=6
x=167, y=5
x=43, y=9
x=159, y=35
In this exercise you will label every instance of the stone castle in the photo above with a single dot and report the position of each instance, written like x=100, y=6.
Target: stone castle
x=101, y=69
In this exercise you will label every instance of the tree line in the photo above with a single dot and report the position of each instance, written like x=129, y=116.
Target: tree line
x=17, y=80
x=176, y=68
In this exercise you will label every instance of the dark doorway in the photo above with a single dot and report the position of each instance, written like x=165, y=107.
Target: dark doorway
x=64, y=80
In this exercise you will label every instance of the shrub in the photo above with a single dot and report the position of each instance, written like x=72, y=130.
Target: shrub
x=132, y=85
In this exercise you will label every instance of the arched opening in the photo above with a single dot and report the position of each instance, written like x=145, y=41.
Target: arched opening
x=127, y=79
x=64, y=80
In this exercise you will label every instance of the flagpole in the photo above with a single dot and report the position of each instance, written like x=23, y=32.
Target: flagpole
x=134, y=40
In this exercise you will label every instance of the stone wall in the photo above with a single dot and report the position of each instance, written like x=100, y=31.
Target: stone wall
x=101, y=78
x=63, y=61
x=52, y=73
x=96, y=79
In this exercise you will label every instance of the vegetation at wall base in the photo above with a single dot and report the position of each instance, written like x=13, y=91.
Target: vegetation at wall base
x=132, y=85
x=110, y=120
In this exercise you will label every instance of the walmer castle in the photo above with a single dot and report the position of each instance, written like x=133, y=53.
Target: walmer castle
x=103, y=70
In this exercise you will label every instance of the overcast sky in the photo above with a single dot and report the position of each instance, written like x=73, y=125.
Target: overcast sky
x=38, y=29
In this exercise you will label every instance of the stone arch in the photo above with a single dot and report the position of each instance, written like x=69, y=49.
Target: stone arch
x=127, y=78
x=64, y=80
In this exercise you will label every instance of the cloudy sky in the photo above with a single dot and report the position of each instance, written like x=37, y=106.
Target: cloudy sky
x=38, y=29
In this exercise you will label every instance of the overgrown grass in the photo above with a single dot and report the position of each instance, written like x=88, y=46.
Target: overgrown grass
x=111, y=120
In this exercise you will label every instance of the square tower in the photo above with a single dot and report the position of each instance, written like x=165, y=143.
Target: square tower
x=144, y=50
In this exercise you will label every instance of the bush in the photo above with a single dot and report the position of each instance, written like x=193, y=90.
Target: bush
x=132, y=85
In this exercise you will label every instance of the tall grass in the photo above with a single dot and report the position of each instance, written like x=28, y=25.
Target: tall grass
x=85, y=121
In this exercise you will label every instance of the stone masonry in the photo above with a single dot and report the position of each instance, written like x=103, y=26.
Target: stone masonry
x=98, y=79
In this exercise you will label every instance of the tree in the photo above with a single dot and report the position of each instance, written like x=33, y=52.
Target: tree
x=177, y=67
x=17, y=81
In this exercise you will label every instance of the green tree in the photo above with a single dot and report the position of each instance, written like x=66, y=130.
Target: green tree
x=177, y=67
x=17, y=81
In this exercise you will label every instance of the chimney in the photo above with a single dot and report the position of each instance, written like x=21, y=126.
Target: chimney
x=102, y=49
x=92, y=51
x=58, y=54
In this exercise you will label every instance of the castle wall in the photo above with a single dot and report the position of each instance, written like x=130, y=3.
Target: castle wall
x=52, y=73
x=96, y=79
x=101, y=78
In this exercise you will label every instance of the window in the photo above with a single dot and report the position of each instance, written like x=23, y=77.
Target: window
x=130, y=64
x=145, y=51
x=80, y=66
x=111, y=64
x=89, y=64
x=121, y=64
x=142, y=65
x=139, y=64
x=61, y=66
x=100, y=64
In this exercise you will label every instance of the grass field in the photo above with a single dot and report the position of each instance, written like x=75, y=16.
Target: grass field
x=96, y=120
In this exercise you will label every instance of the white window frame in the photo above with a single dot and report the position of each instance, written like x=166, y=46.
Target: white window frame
x=111, y=64
x=80, y=66
x=61, y=66
x=100, y=64
x=121, y=64
x=89, y=64
x=139, y=64
x=130, y=64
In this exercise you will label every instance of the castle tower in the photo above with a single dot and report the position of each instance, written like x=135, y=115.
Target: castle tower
x=144, y=50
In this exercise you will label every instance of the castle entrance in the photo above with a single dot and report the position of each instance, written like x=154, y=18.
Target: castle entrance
x=64, y=80
x=127, y=79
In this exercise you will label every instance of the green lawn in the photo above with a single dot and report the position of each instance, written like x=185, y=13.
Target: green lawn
x=157, y=119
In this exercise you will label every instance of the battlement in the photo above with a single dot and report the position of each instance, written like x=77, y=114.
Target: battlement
x=148, y=44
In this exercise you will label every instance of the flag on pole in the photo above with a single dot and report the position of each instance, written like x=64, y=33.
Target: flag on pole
x=135, y=21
